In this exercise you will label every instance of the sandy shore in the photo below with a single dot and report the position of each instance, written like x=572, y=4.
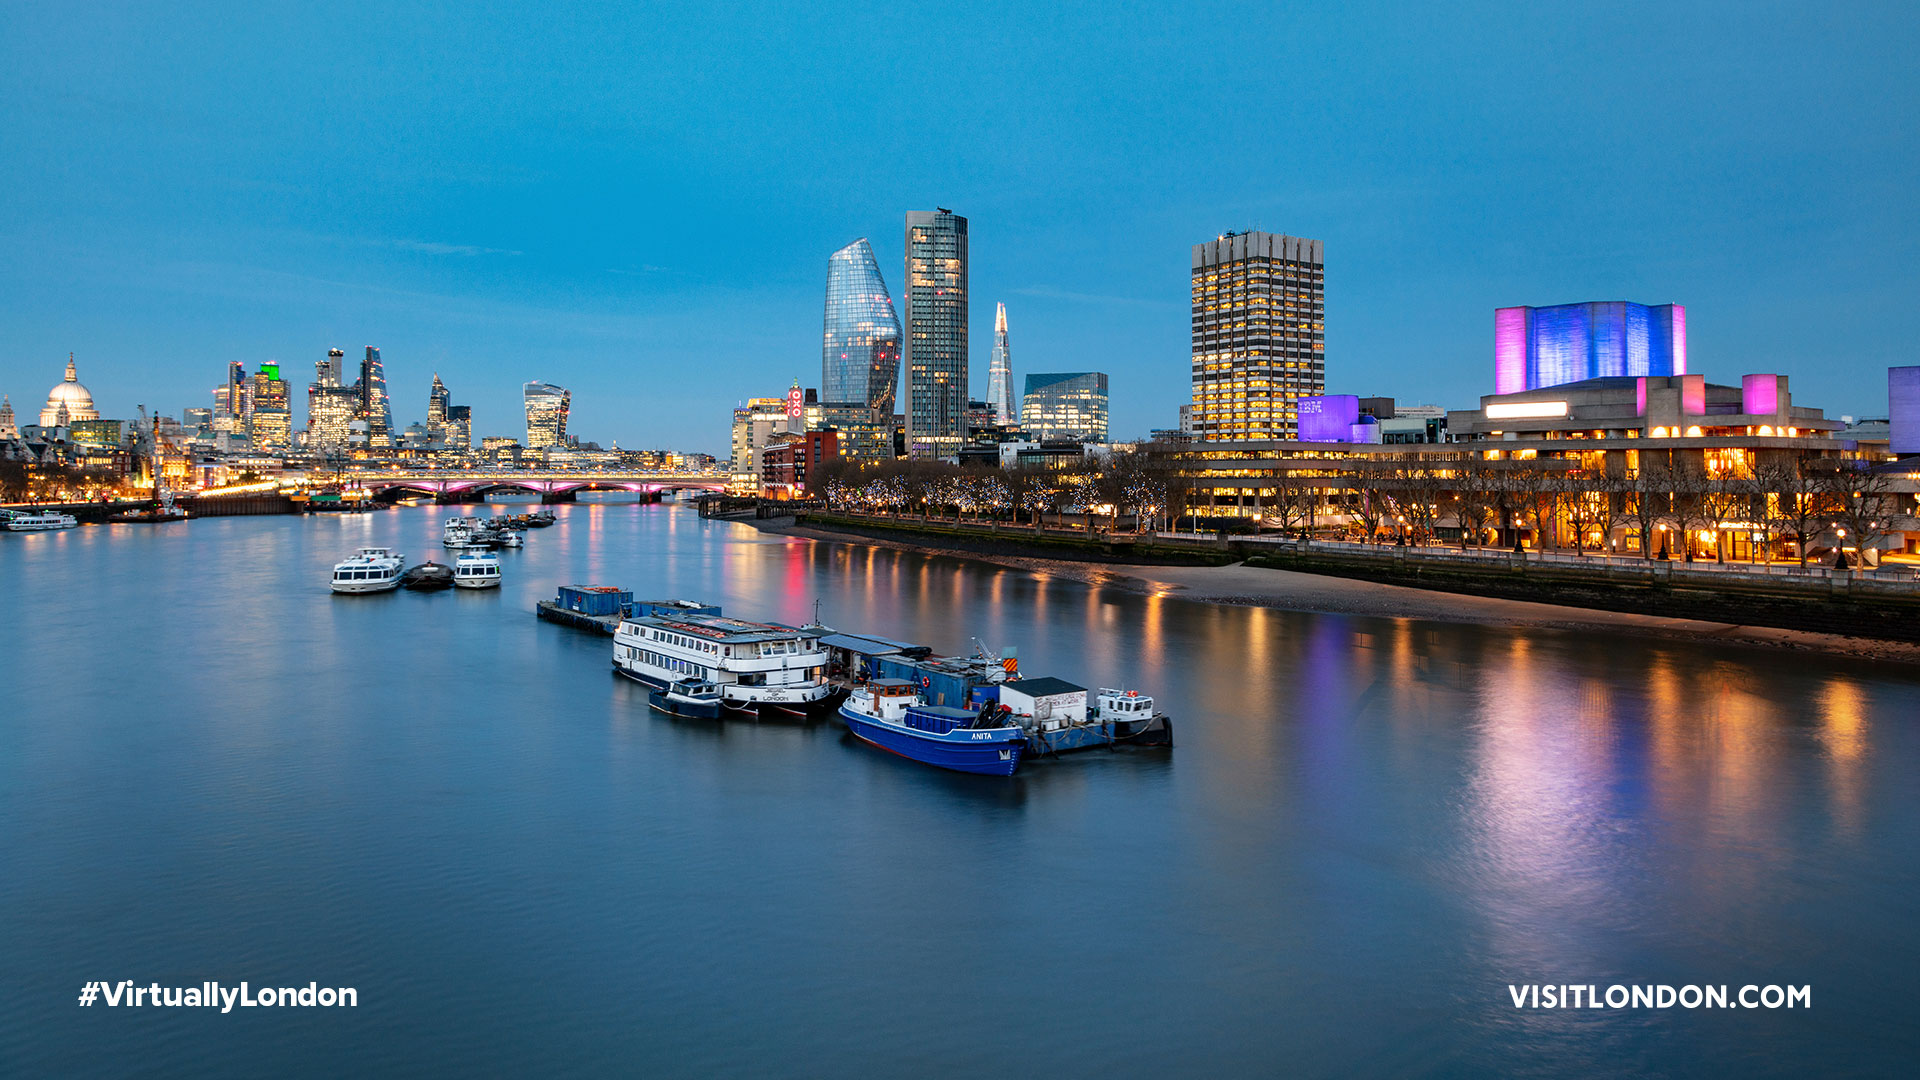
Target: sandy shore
x=1245, y=585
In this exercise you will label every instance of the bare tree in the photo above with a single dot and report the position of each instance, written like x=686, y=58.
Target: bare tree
x=1649, y=496
x=1474, y=498
x=1863, y=503
x=1795, y=499
x=1536, y=492
x=1579, y=499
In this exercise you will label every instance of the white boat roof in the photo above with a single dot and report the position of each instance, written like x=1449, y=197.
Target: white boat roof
x=719, y=628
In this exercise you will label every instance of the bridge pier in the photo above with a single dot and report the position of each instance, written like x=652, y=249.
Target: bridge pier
x=556, y=496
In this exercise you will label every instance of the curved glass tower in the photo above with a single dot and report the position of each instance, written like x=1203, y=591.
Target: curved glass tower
x=860, y=354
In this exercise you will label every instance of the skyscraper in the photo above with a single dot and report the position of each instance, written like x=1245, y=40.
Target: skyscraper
x=230, y=400
x=547, y=407
x=1066, y=405
x=1000, y=372
x=375, y=408
x=331, y=407
x=1258, y=334
x=860, y=349
x=935, y=349
x=270, y=424
x=437, y=410
x=460, y=427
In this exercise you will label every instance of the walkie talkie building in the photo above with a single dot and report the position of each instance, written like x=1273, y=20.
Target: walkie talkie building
x=860, y=351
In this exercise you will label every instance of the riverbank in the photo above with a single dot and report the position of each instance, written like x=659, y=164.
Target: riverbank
x=1244, y=585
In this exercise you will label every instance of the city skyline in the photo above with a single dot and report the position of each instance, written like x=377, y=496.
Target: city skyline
x=1442, y=195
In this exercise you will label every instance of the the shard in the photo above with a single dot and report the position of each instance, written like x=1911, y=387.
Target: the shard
x=1000, y=372
x=860, y=354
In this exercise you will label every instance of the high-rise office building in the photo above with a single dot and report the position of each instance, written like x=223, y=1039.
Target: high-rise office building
x=230, y=400
x=1000, y=371
x=270, y=424
x=460, y=427
x=1066, y=405
x=860, y=342
x=437, y=410
x=1538, y=347
x=547, y=407
x=1258, y=334
x=329, y=372
x=935, y=350
x=331, y=406
x=375, y=407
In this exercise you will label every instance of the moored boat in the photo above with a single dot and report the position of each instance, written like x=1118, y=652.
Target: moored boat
x=459, y=531
x=368, y=570
x=889, y=714
x=687, y=697
x=428, y=576
x=759, y=667
x=476, y=570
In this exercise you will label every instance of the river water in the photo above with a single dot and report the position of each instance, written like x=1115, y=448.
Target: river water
x=213, y=769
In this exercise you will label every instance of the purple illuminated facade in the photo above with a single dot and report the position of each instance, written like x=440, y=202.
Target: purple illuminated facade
x=1329, y=417
x=1903, y=409
x=1539, y=347
x=1760, y=394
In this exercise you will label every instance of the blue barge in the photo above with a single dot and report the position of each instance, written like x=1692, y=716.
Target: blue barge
x=889, y=714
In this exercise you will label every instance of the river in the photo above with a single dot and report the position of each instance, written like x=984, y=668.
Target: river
x=213, y=769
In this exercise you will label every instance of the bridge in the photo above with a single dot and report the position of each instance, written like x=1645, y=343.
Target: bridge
x=552, y=485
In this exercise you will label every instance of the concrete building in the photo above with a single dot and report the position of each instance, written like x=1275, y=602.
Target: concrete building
x=788, y=466
x=754, y=427
x=1070, y=405
x=1258, y=334
x=935, y=349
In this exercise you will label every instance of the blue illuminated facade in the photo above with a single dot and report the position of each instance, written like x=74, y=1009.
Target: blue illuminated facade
x=860, y=348
x=1537, y=347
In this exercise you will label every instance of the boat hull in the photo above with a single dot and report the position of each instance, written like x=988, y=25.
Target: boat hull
x=998, y=755
x=477, y=582
x=674, y=706
x=350, y=588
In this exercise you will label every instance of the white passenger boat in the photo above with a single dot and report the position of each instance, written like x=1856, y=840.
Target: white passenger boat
x=757, y=666
x=370, y=569
x=476, y=570
x=459, y=531
x=41, y=522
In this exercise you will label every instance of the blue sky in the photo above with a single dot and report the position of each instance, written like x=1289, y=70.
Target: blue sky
x=637, y=201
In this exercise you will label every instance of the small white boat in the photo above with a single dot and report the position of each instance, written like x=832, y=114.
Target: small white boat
x=369, y=570
x=511, y=540
x=476, y=570
x=42, y=522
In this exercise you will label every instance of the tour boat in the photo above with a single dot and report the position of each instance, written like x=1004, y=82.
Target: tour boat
x=368, y=570
x=41, y=522
x=476, y=570
x=427, y=576
x=459, y=531
x=688, y=697
x=758, y=666
x=891, y=715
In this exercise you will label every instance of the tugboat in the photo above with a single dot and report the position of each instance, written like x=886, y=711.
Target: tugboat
x=428, y=576
x=687, y=697
x=368, y=570
x=889, y=714
x=476, y=570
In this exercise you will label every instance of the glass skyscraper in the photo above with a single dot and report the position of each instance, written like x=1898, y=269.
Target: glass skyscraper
x=375, y=408
x=547, y=407
x=1000, y=372
x=437, y=401
x=860, y=350
x=935, y=350
x=1066, y=405
x=1258, y=334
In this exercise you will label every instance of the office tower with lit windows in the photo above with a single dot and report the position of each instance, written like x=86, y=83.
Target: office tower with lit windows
x=547, y=407
x=437, y=398
x=935, y=350
x=1259, y=330
x=1066, y=405
x=270, y=424
x=460, y=427
x=1000, y=371
x=331, y=407
x=230, y=400
x=375, y=407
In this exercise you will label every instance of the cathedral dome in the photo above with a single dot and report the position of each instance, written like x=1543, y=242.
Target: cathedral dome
x=68, y=392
